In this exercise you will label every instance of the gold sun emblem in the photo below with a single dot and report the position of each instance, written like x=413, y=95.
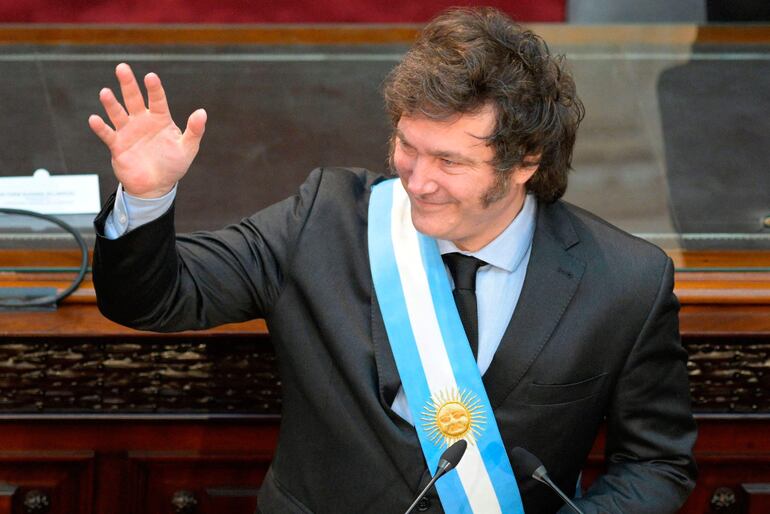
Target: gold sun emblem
x=451, y=415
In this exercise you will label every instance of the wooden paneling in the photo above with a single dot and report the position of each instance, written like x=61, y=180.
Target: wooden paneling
x=673, y=34
x=713, y=302
x=133, y=465
x=756, y=498
x=208, y=34
x=55, y=482
x=140, y=465
x=7, y=493
x=732, y=453
x=74, y=319
x=211, y=483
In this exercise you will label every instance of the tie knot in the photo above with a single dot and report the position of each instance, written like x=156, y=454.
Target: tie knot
x=463, y=269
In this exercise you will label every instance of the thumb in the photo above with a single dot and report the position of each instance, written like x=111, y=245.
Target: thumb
x=196, y=126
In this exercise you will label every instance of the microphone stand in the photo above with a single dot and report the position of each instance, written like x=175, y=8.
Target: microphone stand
x=446, y=462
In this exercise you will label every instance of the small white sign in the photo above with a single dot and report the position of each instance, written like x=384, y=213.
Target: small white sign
x=58, y=194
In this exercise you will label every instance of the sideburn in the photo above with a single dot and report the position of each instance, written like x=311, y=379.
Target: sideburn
x=498, y=190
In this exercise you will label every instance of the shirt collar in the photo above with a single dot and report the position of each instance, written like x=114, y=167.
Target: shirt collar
x=507, y=250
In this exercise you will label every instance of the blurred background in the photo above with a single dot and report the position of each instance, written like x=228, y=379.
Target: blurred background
x=673, y=147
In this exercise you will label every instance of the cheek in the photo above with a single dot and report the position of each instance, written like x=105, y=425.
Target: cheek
x=462, y=190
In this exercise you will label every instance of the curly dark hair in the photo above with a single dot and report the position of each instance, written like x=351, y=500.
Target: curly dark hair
x=468, y=57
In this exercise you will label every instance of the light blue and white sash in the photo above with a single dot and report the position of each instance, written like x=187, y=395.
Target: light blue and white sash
x=440, y=377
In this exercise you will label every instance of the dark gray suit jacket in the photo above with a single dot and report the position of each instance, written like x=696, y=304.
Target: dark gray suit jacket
x=594, y=339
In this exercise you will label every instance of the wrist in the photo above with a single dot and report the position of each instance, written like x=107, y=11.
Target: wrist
x=154, y=194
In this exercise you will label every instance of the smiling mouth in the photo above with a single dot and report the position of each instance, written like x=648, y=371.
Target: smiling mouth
x=427, y=208
x=422, y=202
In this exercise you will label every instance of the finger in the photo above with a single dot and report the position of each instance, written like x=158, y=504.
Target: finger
x=101, y=129
x=155, y=94
x=115, y=112
x=196, y=126
x=132, y=96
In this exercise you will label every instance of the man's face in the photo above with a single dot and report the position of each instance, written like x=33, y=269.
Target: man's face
x=445, y=167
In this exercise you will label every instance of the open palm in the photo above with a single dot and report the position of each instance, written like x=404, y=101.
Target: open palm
x=149, y=152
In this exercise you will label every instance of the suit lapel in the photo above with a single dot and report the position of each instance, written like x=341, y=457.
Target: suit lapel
x=551, y=280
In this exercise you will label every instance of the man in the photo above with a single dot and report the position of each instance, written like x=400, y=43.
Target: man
x=573, y=322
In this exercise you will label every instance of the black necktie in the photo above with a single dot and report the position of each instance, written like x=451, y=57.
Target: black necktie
x=463, y=269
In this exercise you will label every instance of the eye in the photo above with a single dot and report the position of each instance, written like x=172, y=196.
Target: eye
x=449, y=163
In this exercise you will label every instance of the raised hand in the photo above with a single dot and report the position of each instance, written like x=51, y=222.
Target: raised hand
x=149, y=152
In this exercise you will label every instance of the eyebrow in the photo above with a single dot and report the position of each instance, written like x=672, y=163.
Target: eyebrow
x=444, y=154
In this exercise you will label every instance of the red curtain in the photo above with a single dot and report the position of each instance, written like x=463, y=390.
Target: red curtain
x=259, y=11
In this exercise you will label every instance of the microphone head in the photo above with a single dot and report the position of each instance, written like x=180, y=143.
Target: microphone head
x=527, y=464
x=452, y=455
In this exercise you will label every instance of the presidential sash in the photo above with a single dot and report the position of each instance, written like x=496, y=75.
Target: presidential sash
x=439, y=375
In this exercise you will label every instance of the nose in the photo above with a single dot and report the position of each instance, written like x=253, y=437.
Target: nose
x=420, y=178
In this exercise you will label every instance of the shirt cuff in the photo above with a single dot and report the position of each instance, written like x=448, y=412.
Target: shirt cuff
x=130, y=212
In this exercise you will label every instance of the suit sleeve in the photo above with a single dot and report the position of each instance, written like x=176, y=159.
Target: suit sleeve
x=650, y=428
x=153, y=279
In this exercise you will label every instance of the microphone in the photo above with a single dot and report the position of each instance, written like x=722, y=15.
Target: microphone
x=531, y=466
x=446, y=463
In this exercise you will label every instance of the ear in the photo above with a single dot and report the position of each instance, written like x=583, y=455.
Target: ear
x=524, y=171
